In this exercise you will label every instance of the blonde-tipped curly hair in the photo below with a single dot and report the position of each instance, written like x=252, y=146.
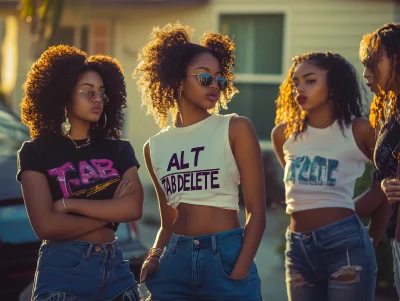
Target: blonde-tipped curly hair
x=343, y=89
x=163, y=63
x=387, y=37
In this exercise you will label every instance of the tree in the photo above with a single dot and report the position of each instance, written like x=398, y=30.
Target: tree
x=44, y=17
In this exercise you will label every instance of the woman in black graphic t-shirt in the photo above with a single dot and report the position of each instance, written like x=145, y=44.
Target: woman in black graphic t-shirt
x=79, y=180
x=379, y=54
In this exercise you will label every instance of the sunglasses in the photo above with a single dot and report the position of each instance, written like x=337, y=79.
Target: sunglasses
x=206, y=80
x=91, y=96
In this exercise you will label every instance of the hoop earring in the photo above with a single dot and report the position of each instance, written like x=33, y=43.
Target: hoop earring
x=105, y=120
x=66, y=126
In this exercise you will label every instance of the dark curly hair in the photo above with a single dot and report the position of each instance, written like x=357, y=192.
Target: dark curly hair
x=50, y=83
x=343, y=89
x=163, y=63
x=388, y=37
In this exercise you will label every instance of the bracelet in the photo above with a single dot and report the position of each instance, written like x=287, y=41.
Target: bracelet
x=65, y=207
x=155, y=253
x=149, y=258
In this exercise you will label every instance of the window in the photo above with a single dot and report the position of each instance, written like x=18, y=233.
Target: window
x=99, y=38
x=73, y=36
x=93, y=39
x=259, y=59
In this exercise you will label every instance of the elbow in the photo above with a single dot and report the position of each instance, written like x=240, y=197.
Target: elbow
x=45, y=233
x=138, y=207
x=134, y=212
x=137, y=212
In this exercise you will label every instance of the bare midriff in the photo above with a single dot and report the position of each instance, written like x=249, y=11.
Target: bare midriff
x=309, y=220
x=194, y=220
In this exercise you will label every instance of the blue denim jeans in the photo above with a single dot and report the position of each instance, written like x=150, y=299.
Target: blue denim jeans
x=83, y=271
x=335, y=262
x=396, y=264
x=198, y=268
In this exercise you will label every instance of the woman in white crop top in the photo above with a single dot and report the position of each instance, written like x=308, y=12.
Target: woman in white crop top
x=323, y=144
x=201, y=251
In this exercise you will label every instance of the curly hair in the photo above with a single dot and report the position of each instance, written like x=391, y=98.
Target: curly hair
x=388, y=37
x=343, y=89
x=163, y=64
x=49, y=87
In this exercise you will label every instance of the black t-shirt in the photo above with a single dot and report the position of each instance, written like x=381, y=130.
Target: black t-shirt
x=386, y=164
x=90, y=172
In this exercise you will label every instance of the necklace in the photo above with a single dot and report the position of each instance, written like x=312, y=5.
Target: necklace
x=180, y=115
x=79, y=146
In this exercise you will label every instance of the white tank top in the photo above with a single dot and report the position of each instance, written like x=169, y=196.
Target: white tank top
x=322, y=166
x=195, y=164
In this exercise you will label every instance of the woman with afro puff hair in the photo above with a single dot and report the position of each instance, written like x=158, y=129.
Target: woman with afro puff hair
x=323, y=143
x=201, y=251
x=79, y=180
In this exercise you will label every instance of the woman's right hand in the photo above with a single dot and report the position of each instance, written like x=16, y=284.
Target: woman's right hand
x=124, y=188
x=391, y=187
x=149, y=267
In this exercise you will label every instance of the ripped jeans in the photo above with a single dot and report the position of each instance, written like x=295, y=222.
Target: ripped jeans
x=334, y=262
x=83, y=271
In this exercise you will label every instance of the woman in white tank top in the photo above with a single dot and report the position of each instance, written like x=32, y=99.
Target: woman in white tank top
x=201, y=252
x=323, y=144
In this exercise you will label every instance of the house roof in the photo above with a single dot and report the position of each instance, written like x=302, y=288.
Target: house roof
x=14, y=3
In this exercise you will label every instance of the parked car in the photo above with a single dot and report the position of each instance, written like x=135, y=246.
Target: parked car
x=18, y=243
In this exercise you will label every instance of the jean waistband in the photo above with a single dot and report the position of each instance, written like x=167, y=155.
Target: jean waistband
x=352, y=220
x=84, y=246
x=208, y=240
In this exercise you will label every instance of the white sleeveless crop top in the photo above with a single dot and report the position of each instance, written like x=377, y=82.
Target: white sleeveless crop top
x=195, y=164
x=322, y=166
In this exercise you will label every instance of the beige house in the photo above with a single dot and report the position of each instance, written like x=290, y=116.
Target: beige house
x=268, y=33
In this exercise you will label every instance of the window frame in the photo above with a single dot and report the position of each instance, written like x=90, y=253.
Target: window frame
x=90, y=24
x=240, y=9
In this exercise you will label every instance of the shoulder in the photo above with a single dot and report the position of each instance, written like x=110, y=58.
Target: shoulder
x=146, y=147
x=361, y=123
x=161, y=134
x=121, y=145
x=363, y=129
x=240, y=123
x=34, y=145
x=147, y=152
x=278, y=132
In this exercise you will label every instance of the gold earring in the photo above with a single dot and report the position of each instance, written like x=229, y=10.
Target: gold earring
x=105, y=121
x=66, y=126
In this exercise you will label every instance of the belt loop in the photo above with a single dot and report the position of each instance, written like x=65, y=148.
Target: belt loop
x=174, y=243
x=87, y=254
x=214, y=243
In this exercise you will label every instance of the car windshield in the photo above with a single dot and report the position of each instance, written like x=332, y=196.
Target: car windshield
x=15, y=226
x=12, y=132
